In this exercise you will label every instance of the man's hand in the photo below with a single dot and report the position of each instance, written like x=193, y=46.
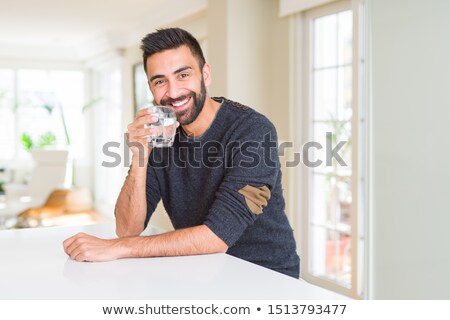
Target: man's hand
x=84, y=247
x=139, y=136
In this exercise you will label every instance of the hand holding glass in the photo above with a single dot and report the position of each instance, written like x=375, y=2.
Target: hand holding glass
x=164, y=128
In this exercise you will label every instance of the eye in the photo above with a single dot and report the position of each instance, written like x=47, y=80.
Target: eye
x=158, y=82
x=183, y=75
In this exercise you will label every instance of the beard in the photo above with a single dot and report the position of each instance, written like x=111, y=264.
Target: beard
x=189, y=115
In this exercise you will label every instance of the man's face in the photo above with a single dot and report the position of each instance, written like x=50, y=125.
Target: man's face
x=176, y=80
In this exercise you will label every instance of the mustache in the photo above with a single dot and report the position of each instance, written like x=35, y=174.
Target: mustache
x=170, y=101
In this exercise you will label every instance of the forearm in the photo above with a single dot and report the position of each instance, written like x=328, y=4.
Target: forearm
x=131, y=206
x=183, y=242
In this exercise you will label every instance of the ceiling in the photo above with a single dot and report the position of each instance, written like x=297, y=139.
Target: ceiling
x=75, y=30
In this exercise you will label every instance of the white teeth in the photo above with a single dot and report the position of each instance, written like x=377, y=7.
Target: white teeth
x=177, y=104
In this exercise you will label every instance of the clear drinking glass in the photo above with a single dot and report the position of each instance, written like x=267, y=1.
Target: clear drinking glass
x=165, y=128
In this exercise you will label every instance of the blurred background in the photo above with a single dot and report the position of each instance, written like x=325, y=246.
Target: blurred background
x=372, y=73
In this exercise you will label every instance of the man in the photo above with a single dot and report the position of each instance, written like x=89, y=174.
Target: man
x=220, y=182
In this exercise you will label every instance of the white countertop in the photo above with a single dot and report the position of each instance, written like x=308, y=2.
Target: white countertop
x=33, y=265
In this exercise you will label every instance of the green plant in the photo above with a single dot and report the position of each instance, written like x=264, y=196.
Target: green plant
x=90, y=104
x=46, y=139
x=27, y=141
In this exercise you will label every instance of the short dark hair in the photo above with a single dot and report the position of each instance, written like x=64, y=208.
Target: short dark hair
x=170, y=38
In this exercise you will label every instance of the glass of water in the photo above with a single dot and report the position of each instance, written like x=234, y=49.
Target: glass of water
x=165, y=128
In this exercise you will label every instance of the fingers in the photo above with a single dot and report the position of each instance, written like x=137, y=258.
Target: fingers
x=84, y=247
x=140, y=133
x=77, y=247
x=143, y=112
x=137, y=133
x=81, y=255
x=144, y=132
x=139, y=122
x=76, y=242
x=147, y=119
x=68, y=242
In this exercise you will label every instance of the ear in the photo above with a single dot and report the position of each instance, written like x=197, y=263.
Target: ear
x=207, y=74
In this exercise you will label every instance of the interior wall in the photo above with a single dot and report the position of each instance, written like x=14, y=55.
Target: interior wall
x=239, y=45
x=410, y=151
x=279, y=107
x=217, y=24
x=281, y=69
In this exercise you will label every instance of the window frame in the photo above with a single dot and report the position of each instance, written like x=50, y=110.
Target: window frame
x=302, y=51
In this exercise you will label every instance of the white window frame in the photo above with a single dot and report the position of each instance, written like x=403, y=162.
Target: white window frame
x=301, y=185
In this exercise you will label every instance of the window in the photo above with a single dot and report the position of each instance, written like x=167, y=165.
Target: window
x=7, y=107
x=36, y=102
x=332, y=240
x=108, y=116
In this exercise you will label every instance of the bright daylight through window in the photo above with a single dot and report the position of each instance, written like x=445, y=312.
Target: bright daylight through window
x=331, y=194
x=40, y=108
x=331, y=117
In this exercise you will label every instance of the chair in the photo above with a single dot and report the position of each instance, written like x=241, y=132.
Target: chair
x=52, y=170
x=62, y=207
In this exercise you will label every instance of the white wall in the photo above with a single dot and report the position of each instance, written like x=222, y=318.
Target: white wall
x=239, y=49
x=410, y=153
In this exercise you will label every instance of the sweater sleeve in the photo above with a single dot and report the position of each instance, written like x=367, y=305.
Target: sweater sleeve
x=250, y=177
x=152, y=192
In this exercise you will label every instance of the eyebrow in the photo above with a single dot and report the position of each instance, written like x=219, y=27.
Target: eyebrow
x=157, y=76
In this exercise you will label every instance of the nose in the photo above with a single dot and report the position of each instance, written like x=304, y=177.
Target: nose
x=173, y=90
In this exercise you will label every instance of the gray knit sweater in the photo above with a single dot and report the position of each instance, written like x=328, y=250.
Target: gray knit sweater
x=228, y=179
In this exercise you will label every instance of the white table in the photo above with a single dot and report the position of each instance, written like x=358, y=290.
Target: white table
x=33, y=265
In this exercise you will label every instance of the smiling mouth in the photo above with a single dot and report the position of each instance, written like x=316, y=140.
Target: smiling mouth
x=180, y=104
